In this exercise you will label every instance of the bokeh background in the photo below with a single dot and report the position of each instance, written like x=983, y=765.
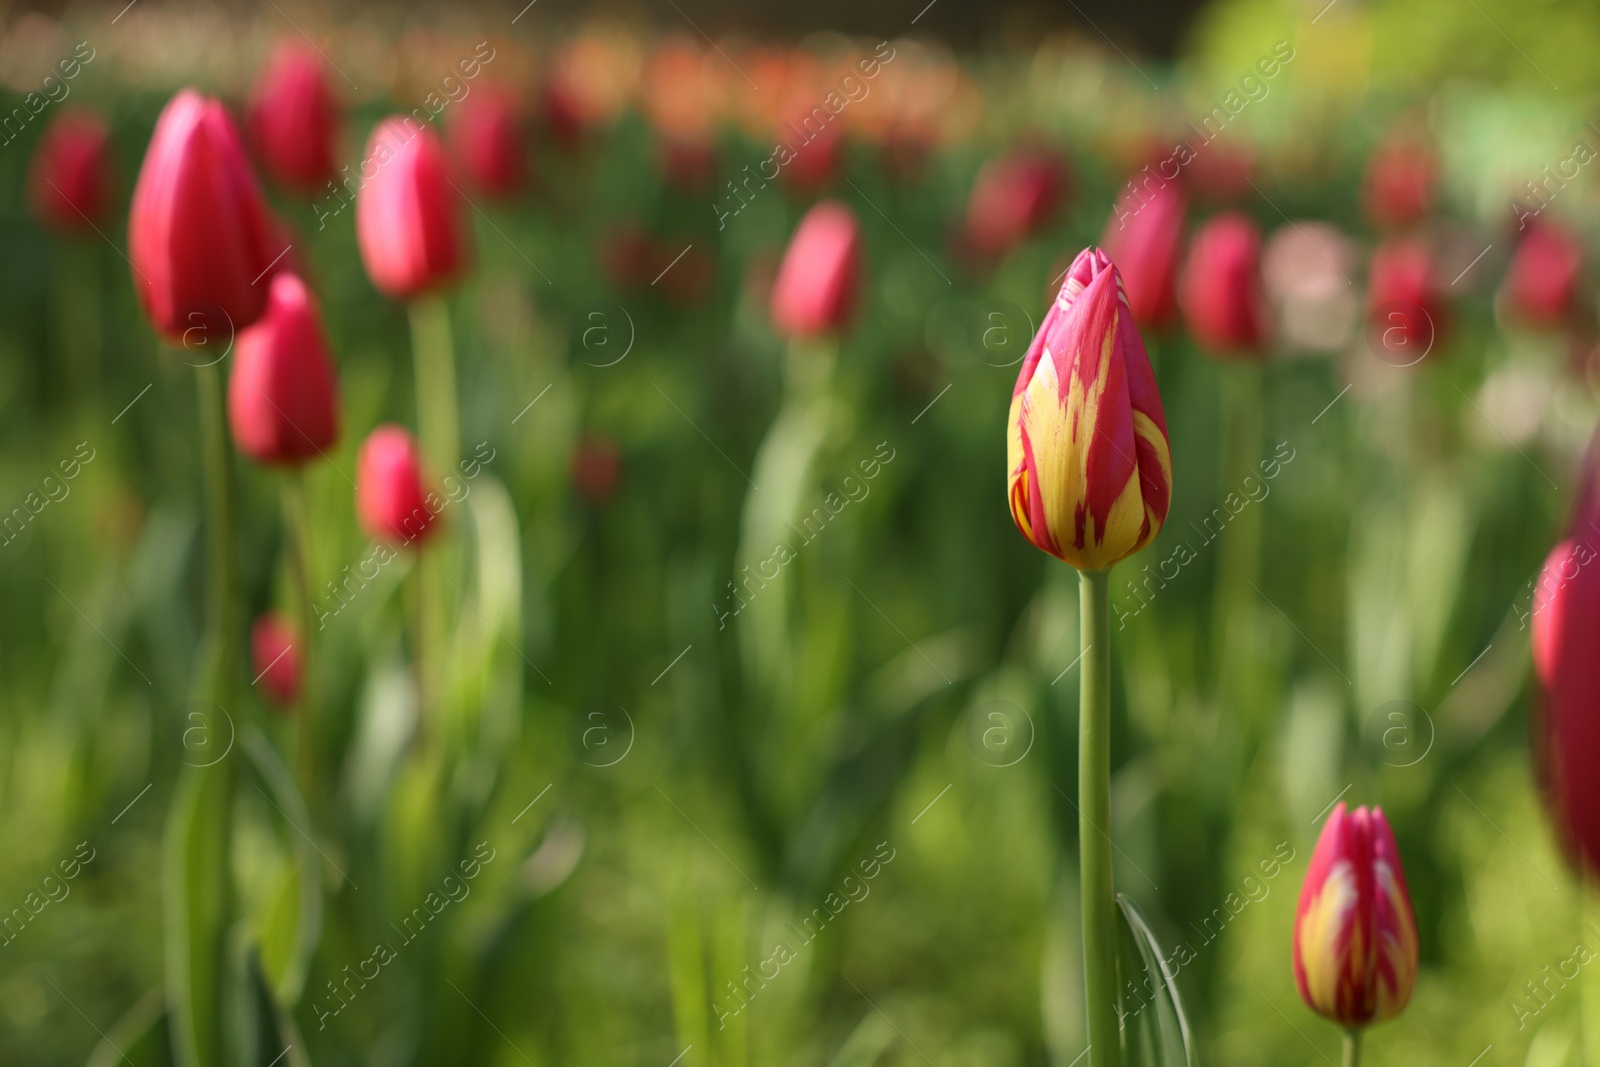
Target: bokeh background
x=665, y=787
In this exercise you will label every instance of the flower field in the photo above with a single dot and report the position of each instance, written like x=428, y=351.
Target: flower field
x=547, y=541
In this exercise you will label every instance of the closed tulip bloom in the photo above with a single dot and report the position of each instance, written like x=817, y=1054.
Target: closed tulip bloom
x=1405, y=304
x=69, y=185
x=1222, y=293
x=293, y=118
x=1543, y=279
x=1012, y=199
x=1144, y=237
x=408, y=214
x=1355, y=937
x=1399, y=182
x=1089, y=466
x=815, y=291
x=486, y=137
x=199, y=236
x=283, y=403
x=390, y=499
x=275, y=655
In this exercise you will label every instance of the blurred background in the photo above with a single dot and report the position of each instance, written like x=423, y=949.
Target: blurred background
x=661, y=770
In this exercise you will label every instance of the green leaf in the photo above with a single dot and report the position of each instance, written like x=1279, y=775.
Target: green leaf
x=289, y=920
x=1154, y=1028
x=195, y=874
x=137, y=1037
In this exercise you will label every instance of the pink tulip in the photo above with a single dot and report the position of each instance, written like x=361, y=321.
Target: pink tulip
x=487, y=140
x=283, y=401
x=293, y=118
x=390, y=499
x=1012, y=199
x=1543, y=280
x=817, y=283
x=275, y=658
x=199, y=236
x=1144, y=237
x=408, y=214
x=1406, y=309
x=1222, y=293
x=69, y=184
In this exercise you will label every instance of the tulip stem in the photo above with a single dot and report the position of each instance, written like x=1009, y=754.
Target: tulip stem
x=296, y=520
x=1352, y=1048
x=223, y=623
x=1094, y=817
x=433, y=357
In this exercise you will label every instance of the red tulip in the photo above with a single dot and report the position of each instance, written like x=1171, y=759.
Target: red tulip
x=1012, y=199
x=1089, y=466
x=1543, y=279
x=596, y=467
x=390, y=500
x=70, y=181
x=1143, y=237
x=1406, y=310
x=816, y=287
x=487, y=140
x=1355, y=936
x=199, y=236
x=293, y=118
x=408, y=220
x=1222, y=295
x=816, y=158
x=1399, y=183
x=283, y=402
x=564, y=117
x=275, y=653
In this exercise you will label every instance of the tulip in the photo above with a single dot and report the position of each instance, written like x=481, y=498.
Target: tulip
x=293, y=118
x=390, y=500
x=688, y=161
x=1012, y=199
x=596, y=467
x=1143, y=236
x=70, y=181
x=817, y=283
x=1543, y=279
x=275, y=653
x=199, y=236
x=408, y=213
x=1090, y=468
x=1222, y=292
x=282, y=399
x=1355, y=937
x=487, y=141
x=1405, y=305
x=1399, y=183
x=816, y=158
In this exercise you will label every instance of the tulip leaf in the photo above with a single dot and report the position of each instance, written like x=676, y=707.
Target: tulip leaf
x=1155, y=1030
x=289, y=922
x=195, y=874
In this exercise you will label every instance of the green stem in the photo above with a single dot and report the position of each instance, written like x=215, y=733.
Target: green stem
x=223, y=624
x=1352, y=1048
x=435, y=366
x=296, y=520
x=1589, y=990
x=1094, y=817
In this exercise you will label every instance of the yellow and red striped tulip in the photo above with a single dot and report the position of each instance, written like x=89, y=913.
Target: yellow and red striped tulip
x=1355, y=936
x=1089, y=465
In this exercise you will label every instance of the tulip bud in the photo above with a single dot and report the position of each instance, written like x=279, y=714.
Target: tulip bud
x=596, y=466
x=1143, y=237
x=1399, y=182
x=816, y=287
x=70, y=182
x=293, y=118
x=1355, y=937
x=1405, y=304
x=282, y=399
x=1089, y=465
x=1543, y=279
x=199, y=236
x=275, y=654
x=1012, y=199
x=487, y=141
x=1222, y=296
x=816, y=157
x=390, y=499
x=408, y=220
